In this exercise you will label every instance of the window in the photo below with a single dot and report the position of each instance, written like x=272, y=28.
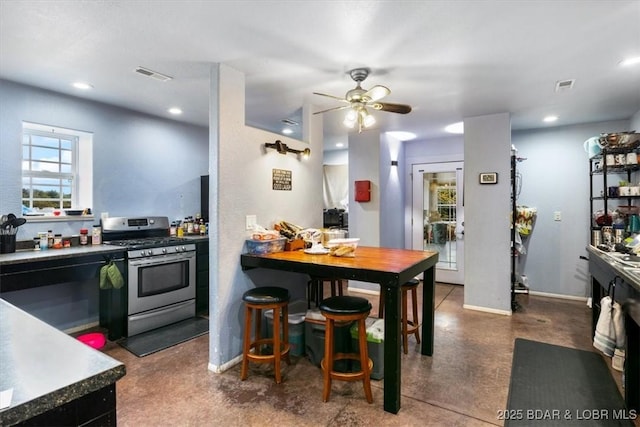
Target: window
x=53, y=177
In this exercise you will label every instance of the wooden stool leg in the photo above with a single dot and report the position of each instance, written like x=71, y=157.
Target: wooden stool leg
x=364, y=359
x=405, y=321
x=285, y=333
x=276, y=344
x=246, y=347
x=414, y=302
x=381, y=304
x=327, y=363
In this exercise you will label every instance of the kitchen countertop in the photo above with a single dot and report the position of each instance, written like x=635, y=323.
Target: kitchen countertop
x=31, y=255
x=45, y=367
x=629, y=271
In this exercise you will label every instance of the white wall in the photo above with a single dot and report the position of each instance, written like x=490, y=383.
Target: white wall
x=336, y=157
x=487, y=148
x=635, y=122
x=241, y=180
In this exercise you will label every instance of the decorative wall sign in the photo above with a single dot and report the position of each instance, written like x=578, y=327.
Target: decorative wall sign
x=489, y=178
x=281, y=179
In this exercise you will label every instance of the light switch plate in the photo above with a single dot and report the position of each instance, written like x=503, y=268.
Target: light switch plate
x=557, y=216
x=250, y=222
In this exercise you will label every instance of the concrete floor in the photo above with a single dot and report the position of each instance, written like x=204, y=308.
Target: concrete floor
x=465, y=383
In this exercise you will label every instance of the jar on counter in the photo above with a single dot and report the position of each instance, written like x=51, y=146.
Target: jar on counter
x=50, y=238
x=44, y=240
x=84, y=236
x=57, y=241
x=96, y=235
x=172, y=229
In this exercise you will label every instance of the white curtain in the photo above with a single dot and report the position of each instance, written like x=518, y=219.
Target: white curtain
x=335, y=186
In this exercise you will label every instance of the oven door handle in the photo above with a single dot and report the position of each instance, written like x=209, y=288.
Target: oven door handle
x=162, y=259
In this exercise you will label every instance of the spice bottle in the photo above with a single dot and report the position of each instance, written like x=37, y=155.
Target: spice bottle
x=84, y=236
x=57, y=241
x=50, y=238
x=96, y=235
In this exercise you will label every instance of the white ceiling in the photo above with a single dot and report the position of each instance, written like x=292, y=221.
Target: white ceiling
x=448, y=59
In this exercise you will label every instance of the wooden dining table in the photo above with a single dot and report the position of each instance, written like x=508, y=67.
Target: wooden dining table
x=388, y=267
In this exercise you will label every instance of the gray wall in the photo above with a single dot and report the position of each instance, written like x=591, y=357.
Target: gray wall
x=143, y=165
x=487, y=148
x=555, y=177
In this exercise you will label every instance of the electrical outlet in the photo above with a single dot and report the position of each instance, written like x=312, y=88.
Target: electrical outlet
x=250, y=222
x=557, y=216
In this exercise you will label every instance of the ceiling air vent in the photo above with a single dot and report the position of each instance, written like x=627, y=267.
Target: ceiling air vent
x=562, y=85
x=153, y=74
x=290, y=122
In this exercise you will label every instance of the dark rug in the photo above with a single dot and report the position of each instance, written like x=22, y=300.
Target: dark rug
x=162, y=338
x=553, y=385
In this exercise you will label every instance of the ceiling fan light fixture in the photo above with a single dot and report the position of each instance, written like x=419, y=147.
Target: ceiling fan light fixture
x=350, y=119
x=367, y=119
x=457, y=128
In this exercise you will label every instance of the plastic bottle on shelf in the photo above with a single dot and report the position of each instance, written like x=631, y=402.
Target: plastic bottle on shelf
x=96, y=235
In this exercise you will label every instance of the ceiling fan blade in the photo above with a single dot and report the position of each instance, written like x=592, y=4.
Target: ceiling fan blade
x=331, y=96
x=333, y=109
x=377, y=92
x=392, y=108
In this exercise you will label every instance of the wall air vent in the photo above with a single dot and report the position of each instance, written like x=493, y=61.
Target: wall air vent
x=290, y=122
x=153, y=74
x=562, y=85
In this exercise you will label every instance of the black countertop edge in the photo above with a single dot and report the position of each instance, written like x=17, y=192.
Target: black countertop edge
x=24, y=256
x=618, y=267
x=40, y=405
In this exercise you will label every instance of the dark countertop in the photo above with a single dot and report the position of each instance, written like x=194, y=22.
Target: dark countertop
x=30, y=255
x=45, y=367
x=628, y=270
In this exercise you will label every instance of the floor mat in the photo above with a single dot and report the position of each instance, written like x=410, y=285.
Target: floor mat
x=162, y=338
x=553, y=385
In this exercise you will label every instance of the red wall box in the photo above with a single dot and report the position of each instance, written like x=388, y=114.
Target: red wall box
x=363, y=191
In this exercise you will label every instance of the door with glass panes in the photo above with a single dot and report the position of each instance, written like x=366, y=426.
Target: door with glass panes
x=438, y=216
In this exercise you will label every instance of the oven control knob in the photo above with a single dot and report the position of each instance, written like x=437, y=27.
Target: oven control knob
x=184, y=249
x=164, y=250
x=177, y=248
x=149, y=252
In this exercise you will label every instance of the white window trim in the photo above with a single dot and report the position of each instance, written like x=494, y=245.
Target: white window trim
x=84, y=159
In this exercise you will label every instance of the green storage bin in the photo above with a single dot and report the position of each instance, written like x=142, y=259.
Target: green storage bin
x=375, y=345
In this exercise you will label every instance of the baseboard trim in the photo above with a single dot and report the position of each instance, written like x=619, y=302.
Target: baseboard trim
x=218, y=369
x=363, y=291
x=558, y=296
x=487, y=310
x=81, y=328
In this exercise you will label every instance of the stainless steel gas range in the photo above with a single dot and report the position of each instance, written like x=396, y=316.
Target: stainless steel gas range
x=161, y=271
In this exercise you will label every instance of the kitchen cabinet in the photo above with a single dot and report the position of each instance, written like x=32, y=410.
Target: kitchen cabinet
x=34, y=269
x=202, y=277
x=615, y=163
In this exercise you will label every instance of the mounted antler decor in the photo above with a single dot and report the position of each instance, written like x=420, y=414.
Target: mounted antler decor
x=282, y=148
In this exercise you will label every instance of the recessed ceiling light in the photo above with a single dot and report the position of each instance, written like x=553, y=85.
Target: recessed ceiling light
x=175, y=111
x=82, y=85
x=402, y=136
x=455, y=128
x=287, y=131
x=630, y=61
x=550, y=119
x=339, y=144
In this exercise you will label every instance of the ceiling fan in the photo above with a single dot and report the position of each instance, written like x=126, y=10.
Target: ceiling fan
x=358, y=99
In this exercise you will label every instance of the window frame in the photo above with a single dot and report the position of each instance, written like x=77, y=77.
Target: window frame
x=81, y=169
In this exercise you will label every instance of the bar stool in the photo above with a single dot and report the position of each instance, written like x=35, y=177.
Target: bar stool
x=258, y=299
x=315, y=289
x=346, y=309
x=408, y=326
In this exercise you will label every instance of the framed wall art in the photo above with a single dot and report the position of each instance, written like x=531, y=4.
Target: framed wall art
x=489, y=178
